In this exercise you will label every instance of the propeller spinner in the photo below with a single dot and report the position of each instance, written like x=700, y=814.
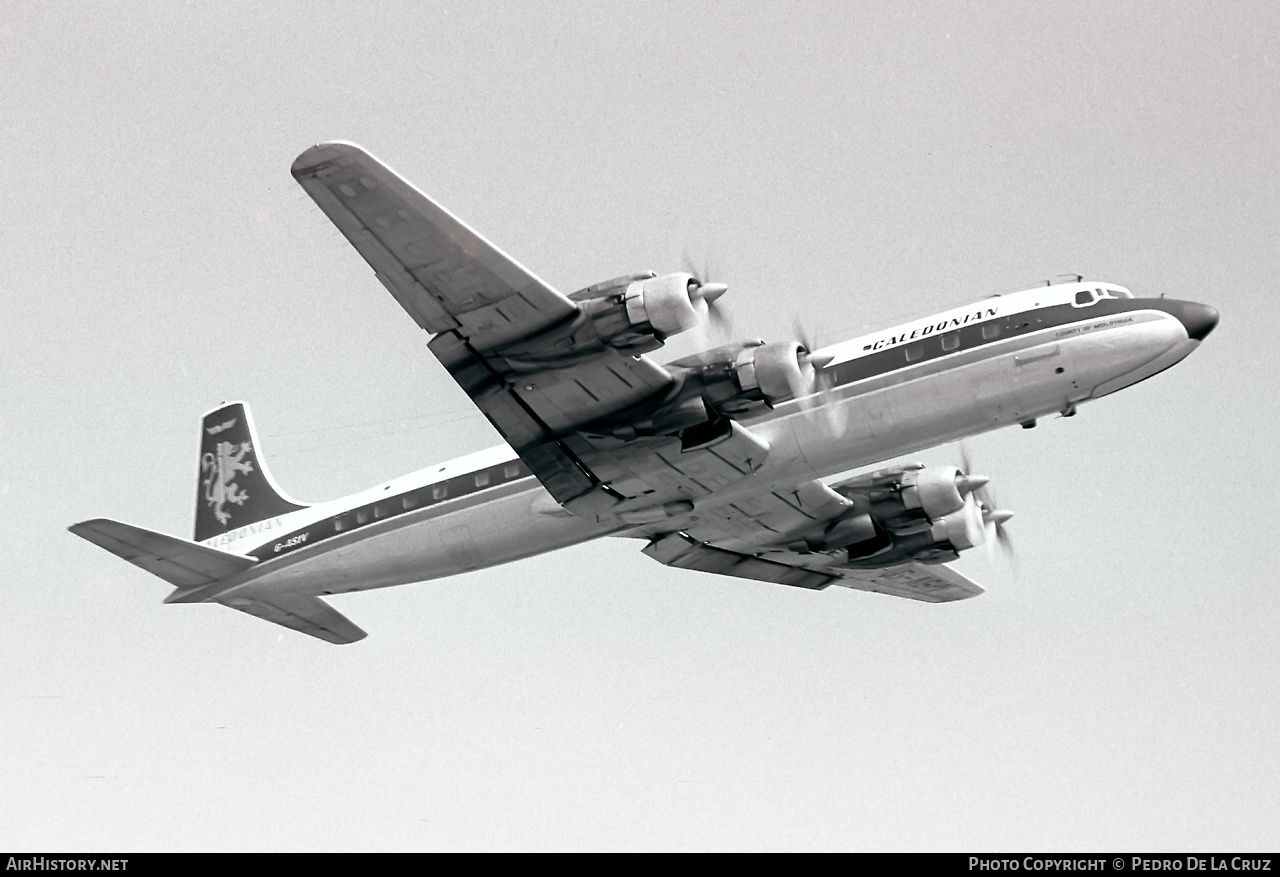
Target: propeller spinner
x=702, y=288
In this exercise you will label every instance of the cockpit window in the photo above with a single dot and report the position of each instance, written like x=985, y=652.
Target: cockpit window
x=1084, y=297
x=1120, y=293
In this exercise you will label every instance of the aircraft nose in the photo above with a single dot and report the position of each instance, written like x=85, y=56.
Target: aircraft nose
x=1198, y=319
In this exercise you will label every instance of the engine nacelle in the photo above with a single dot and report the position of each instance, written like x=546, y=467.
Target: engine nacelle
x=941, y=541
x=634, y=313
x=922, y=515
x=669, y=304
x=935, y=491
x=962, y=529
x=738, y=377
x=910, y=498
x=779, y=372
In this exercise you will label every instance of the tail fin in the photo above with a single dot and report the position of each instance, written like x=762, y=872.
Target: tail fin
x=235, y=489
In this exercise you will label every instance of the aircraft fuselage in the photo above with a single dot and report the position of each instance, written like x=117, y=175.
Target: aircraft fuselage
x=1001, y=361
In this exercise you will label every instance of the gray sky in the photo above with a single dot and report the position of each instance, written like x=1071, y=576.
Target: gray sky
x=838, y=164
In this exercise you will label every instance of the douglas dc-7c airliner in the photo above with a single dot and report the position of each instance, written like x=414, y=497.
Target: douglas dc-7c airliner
x=723, y=462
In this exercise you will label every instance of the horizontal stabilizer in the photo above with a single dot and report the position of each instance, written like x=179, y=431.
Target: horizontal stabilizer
x=309, y=615
x=181, y=563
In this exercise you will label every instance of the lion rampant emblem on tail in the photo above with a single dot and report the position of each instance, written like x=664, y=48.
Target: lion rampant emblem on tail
x=220, y=467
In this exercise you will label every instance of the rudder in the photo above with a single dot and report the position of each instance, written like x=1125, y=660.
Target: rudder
x=234, y=488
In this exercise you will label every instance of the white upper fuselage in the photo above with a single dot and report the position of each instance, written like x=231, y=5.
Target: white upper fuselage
x=1003, y=360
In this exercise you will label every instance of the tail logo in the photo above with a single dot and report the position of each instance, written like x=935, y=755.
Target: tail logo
x=220, y=468
x=221, y=427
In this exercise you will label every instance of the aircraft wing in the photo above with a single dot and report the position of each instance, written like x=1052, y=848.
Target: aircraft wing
x=776, y=536
x=442, y=272
x=935, y=583
x=530, y=358
x=929, y=583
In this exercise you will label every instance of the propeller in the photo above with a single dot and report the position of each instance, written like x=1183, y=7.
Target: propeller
x=717, y=315
x=993, y=517
x=821, y=395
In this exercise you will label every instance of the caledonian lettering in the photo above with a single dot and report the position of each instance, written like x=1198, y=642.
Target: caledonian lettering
x=932, y=328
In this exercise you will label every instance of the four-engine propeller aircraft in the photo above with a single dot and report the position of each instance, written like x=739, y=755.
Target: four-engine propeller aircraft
x=716, y=462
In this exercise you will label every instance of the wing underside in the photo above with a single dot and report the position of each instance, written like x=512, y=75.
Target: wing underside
x=800, y=536
x=534, y=361
x=935, y=583
x=443, y=273
x=929, y=583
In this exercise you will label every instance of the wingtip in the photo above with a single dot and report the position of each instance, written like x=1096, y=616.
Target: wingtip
x=79, y=528
x=348, y=634
x=316, y=156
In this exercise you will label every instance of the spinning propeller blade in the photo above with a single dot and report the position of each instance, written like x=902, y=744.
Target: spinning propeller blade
x=993, y=516
x=717, y=314
x=821, y=396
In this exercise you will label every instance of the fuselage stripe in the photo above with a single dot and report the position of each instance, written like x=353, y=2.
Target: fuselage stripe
x=951, y=341
x=394, y=505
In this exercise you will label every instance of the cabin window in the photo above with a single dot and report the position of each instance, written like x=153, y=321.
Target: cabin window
x=362, y=516
x=409, y=500
x=951, y=341
x=380, y=510
x=915, y=352
x=439, y=491
x=991, y=330
x=511, y=470
x=340, y=524
x=482, y=479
